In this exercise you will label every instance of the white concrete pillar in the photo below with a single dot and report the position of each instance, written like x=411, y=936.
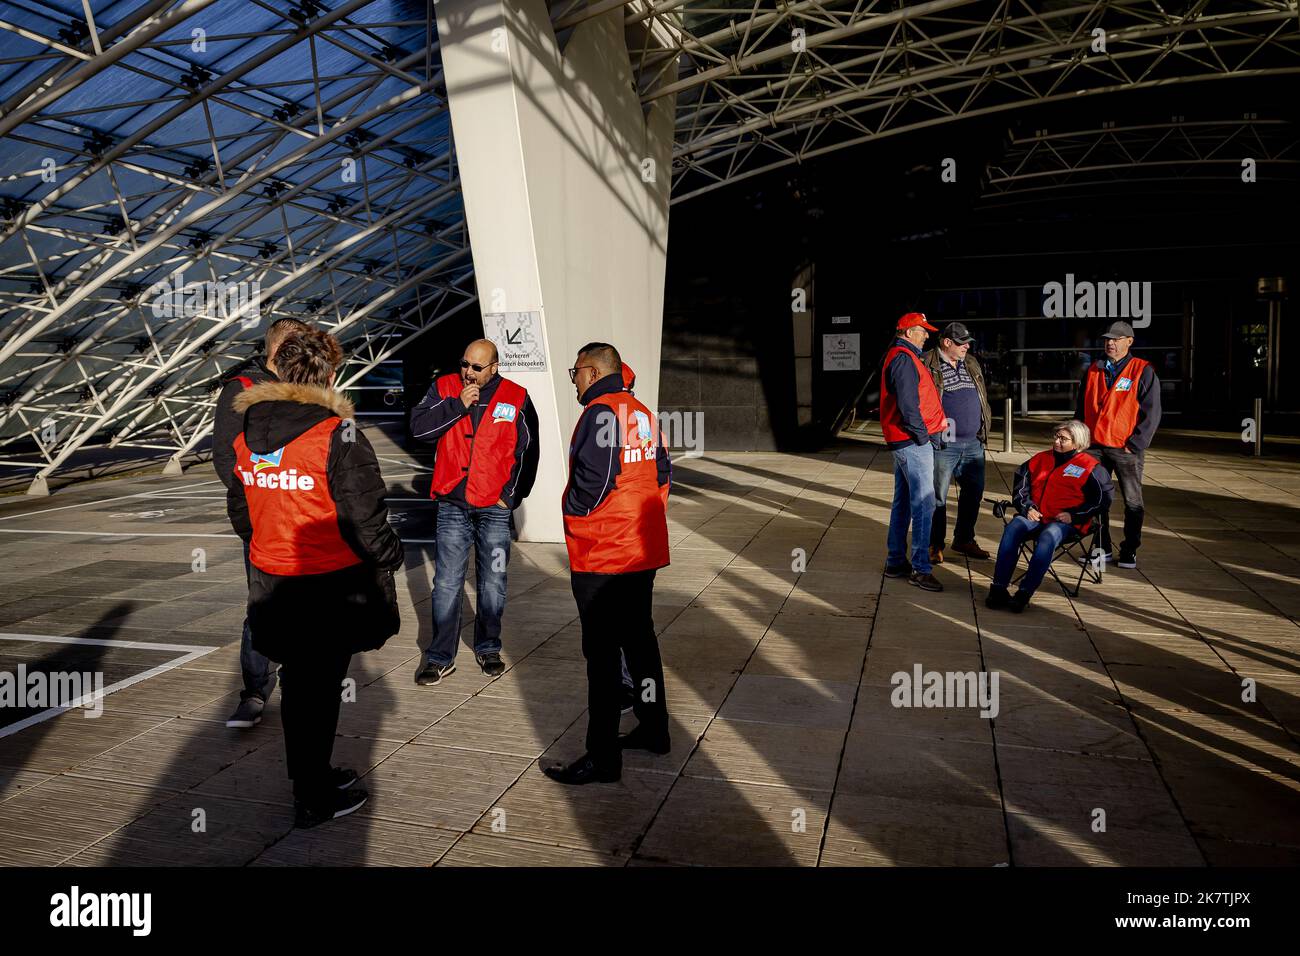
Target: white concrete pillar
x=565, y=181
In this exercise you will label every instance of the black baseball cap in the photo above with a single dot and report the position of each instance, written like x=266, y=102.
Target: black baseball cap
x=1118, y=330
x=957, y=332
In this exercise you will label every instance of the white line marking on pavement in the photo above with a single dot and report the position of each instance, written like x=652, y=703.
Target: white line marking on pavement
x=191, y=652
x=102, y=501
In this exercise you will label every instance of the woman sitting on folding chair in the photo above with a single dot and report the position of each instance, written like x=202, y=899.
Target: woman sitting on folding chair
x=1057, y=494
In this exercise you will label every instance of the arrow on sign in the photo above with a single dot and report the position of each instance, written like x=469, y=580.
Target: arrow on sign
x=512, y=338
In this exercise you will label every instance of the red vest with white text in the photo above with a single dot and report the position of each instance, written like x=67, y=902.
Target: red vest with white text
x=1112, y=413
x=628, y=531
x=295, y=523
x=487, y=455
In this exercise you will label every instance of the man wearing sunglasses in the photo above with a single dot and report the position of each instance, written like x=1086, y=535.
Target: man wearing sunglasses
x=485, y=428
x=616, y=532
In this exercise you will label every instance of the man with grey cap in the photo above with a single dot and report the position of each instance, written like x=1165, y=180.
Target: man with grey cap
x=960, y=382
x=1119, y=401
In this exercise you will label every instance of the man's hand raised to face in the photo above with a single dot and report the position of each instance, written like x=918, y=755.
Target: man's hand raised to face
x=469, y=394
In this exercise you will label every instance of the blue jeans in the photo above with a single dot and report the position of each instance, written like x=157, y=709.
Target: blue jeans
x=488, y=530
x=260, y=672
x=913, y=504
x=1018, y=530
x=963, y=461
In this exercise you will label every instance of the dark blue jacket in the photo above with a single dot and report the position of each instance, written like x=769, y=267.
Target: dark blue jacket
x=596, y=467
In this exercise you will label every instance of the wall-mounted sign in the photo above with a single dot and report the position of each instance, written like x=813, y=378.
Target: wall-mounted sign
x=841, y=319
x=518, y=338
x=841, y=352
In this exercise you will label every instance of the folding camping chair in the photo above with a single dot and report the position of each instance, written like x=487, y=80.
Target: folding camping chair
x=1083, y=550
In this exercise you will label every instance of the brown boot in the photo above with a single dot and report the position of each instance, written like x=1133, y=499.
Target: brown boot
x=936, y=555
x=971, y=550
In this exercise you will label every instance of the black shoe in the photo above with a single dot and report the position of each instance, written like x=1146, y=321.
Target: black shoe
x=340, y=778
x=998, y=597
x=629, y=698
x=1128, y=560
x=926, y=582
x=1018, y=603
x=638, y=738
x=247, y=714
x=491, y=664
x=585, y=770
x=431, y=673
x=898, y=570
x=330, y=805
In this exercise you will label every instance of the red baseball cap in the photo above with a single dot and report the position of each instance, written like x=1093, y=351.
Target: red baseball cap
x=914, y=319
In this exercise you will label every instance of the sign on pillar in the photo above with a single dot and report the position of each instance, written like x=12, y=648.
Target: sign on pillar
x=518, y=338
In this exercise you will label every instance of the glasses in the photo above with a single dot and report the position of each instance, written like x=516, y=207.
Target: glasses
x=1062, y=437
x=573, y=372
x=477, y=368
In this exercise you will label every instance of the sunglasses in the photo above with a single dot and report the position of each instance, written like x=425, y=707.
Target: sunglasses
x=477, y=368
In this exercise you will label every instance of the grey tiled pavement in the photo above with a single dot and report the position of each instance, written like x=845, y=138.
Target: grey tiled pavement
x=786, y=748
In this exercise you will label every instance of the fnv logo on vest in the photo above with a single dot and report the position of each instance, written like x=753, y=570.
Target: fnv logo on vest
x=1123, y=384
x=270, y=460
x=1073, y=471
x=644, y=450
x=504, y=412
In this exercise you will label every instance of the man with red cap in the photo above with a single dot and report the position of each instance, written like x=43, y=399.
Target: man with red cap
x=912, y=419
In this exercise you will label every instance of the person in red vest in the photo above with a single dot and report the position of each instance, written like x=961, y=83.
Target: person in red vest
x=259, y=673
x=616, y=530
x=1057, y=493
x=1119, y=400
x=912, y=419
x=307, y=498
x=486, y=461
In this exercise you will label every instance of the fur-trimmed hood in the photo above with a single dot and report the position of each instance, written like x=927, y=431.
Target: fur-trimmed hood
x=275, y=413
x=336, y=402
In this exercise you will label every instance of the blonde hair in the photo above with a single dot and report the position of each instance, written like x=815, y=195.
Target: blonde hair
x=1077, y=431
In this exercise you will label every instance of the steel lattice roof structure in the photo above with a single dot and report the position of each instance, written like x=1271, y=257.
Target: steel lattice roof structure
x=295, y=159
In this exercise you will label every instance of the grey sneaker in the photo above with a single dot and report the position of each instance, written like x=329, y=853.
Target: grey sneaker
x=247, y=714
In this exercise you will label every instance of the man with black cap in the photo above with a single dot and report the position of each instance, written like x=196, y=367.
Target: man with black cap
x=1119, y=400
x=912, y=420
x=960, y=381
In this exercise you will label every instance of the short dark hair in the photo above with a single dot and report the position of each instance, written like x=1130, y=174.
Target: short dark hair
x=603, y=355
x=281, y=329
x=308, y=358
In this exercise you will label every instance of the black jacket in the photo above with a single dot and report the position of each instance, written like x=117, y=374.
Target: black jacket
x=358, y=603
x=228, y=423
x=431, y=419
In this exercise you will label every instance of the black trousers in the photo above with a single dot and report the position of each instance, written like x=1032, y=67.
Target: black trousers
x=1126, y=467
x=616, y=615
x=311, y=690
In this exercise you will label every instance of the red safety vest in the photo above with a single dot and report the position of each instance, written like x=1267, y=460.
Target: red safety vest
x=1112, y=414
x=891, y=419
x=295, y=522
x=628, y=531
x=486, y=455
x=1054, y=488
